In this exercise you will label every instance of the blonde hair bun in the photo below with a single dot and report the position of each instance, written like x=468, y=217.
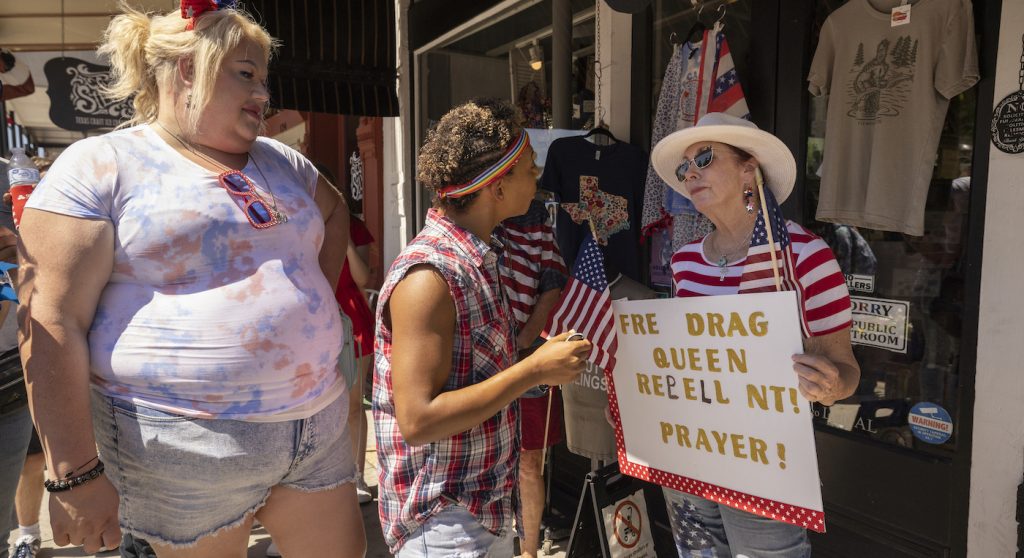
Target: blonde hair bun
x=144, y=50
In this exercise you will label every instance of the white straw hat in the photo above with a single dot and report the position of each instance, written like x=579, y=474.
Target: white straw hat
x=776, y=160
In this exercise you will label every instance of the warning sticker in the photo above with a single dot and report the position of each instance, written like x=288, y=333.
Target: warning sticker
x=880, y=322
x=930, y=423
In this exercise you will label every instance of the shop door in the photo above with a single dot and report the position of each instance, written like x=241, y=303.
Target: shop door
x=752, y=40
x=891, y=487
x=890, y=490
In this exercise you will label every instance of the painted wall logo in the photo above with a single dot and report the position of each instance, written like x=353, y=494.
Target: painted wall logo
x=880, y=322
x=930, y=423
x=76, y=103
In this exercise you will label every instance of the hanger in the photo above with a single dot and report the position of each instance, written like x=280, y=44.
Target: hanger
x=697, y=31
x=600, y=134
x=721, y=15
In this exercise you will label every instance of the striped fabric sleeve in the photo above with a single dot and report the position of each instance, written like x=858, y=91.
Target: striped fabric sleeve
x=553, y=274
x=826, y=298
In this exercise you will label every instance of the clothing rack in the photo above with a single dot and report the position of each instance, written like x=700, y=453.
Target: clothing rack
x=698, y=6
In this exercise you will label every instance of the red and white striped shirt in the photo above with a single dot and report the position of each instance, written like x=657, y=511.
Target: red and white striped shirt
x=826, y=300
x=532, y=264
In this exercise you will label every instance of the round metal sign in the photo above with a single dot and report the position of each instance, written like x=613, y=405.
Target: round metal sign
x=1008, y=123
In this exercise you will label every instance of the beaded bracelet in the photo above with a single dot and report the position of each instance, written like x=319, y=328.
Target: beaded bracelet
x=68, y=483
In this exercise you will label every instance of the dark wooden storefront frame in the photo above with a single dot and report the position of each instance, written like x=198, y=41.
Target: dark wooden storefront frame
x=922, y=509
x=878, y=497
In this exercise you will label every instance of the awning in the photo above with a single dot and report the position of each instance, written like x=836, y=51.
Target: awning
x=337, y=56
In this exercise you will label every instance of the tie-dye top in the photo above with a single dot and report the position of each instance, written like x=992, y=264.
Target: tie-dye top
x=203, y=315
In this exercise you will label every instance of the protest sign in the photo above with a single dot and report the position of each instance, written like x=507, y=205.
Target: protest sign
x=705, y=401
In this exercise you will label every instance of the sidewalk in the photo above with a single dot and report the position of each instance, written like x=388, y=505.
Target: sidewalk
x=260, y=539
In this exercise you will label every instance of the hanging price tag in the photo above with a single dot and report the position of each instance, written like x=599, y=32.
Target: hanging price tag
x=900, y=15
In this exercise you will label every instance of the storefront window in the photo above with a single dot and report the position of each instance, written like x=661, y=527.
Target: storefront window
x=509, y=57
x=676, y=21
x=907, y=290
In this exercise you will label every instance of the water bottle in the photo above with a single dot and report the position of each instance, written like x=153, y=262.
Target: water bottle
x=23, y=177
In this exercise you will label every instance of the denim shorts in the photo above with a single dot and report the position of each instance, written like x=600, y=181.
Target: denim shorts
x=454, y=533
x=180, y=479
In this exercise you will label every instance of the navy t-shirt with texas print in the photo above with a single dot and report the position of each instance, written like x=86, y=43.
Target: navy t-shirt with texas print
x=619, y=169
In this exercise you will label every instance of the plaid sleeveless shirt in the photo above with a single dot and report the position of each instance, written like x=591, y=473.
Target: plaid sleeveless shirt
x=477, y=468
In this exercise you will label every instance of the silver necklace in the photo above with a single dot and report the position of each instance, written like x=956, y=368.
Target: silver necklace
x=273, y=199
x=278, y=214
x=723, y=259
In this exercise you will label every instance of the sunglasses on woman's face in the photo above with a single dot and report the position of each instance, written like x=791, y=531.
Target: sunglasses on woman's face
x=250, y=201
x=701, y=160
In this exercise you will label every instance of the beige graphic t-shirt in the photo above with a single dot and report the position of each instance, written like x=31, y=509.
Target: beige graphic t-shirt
x=889, y=88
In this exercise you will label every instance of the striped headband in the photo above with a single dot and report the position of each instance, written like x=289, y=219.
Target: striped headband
x=492, y=173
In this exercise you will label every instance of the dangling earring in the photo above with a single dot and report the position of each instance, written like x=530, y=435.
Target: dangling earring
x=748, y=197
x=188, y=100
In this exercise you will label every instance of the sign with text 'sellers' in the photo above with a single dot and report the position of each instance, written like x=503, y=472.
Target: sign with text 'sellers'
x=75, y=88
x=706, y=401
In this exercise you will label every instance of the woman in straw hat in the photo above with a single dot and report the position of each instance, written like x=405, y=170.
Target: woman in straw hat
x=736, y=175
x=178, y=279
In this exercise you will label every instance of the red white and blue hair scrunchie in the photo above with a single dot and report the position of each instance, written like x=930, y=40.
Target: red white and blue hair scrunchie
x=192, y=9
x=493, y=173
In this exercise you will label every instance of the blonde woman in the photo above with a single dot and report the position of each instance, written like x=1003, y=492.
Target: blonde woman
x=178, y=311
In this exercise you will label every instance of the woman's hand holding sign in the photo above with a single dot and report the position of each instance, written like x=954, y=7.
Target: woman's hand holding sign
x=828, y=371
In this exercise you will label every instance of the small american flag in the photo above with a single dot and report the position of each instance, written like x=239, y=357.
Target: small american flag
x=586, y=306
x=757, y=274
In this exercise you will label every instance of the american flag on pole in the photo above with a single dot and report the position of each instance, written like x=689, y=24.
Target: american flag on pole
x=586, y=306
x=758, y=275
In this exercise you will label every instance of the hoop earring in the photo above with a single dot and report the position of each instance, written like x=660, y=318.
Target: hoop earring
x=748, y=198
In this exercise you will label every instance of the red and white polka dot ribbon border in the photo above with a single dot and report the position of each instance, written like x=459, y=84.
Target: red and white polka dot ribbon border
x=779, y=511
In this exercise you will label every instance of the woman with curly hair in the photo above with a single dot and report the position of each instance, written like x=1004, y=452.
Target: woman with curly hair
x=446, y=378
